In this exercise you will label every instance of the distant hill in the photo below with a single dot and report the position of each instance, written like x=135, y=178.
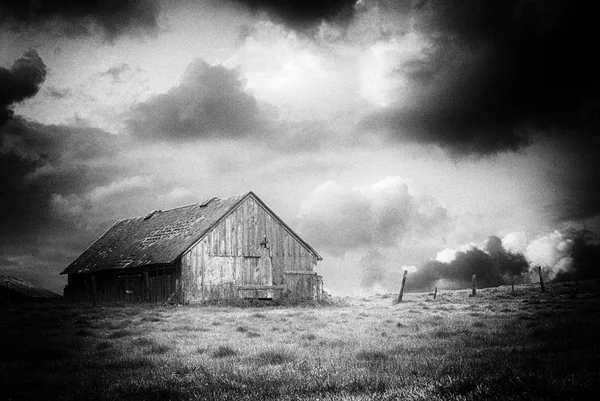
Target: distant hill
x=18, y=289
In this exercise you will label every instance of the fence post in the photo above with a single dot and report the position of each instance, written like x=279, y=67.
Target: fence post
x=541, y=279
x=474, y=292
x=401, y=294
x=435, y=293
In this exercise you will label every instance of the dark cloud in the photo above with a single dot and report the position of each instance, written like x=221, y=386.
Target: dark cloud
x=493, y=266
x=496, y=73
x=209, y=102
x=21, y=81
x=39, y=160
x=586, y=263
x=584, y=254
x=41, y=166
x=575, y=178
x=304, y=15
x=111, y=18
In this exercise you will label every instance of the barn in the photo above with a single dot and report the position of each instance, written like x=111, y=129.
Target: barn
x=228, y=248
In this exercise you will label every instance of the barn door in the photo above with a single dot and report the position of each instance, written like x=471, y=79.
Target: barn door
x=257, y=274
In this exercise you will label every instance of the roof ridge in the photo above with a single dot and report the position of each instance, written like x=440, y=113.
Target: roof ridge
x=189, y=205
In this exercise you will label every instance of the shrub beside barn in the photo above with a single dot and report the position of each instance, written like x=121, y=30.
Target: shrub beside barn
x=228, y=248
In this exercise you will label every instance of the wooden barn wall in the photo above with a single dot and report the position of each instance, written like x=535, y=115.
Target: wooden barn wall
x=213, y=266
x=302, y=286
x=141, y=285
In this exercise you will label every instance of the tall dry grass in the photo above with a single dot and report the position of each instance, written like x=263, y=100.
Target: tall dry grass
x=494, y=346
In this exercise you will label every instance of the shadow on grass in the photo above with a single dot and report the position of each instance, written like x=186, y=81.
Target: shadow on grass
x=274, y=357
x=224, y=351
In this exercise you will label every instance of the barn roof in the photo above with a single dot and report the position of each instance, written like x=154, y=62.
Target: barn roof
x=158, y=238
x=25, y=289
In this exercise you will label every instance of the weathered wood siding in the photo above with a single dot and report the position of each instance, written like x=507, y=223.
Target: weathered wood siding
x=301, y=285
x=235, y=254
x=141, y=285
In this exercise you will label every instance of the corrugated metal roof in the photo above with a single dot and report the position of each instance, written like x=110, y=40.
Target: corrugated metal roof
x=24, y=288
x=159, y=237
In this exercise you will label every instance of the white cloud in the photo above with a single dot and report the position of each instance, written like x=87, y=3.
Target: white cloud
x=366, y=217
x=305, y=78
x=448, y=254
x=552, y=252
x=384, y=67
x=515, y=242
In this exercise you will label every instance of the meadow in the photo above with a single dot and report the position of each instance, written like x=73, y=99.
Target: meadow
x=498, y=345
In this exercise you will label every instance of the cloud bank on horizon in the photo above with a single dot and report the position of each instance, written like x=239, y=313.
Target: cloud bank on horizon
x=314, y=103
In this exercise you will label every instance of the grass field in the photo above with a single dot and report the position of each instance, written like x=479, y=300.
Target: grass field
x=495, y=346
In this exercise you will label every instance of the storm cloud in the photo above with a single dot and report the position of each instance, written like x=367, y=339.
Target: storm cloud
x=568, y=254
x=209, y=102
x=493, y=266
x=304, y=15
x=82, y=18
x=48, y=176
x=40, y=160
x=575, y=178
x=477, y=79
x=490, y=75
x=19, y=82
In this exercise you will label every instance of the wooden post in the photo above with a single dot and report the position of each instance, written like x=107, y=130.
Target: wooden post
x=474, y=292
x=512, y=279
x=401, y=294
x=435, y=293
x=541, y=279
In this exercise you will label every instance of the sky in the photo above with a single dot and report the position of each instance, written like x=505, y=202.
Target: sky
x=440, y=137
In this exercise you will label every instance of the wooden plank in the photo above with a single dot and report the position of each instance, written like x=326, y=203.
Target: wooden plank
x=259, y=226
x=228, y=236
x=209, y=243
x=234, y=232
x=223, y=237
x=259, y=287
x=245, y=228
x=268, y=231
x=301, y=272
x=295, y=259
x=252, y=229
x=240, y=231
x=202, y=261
